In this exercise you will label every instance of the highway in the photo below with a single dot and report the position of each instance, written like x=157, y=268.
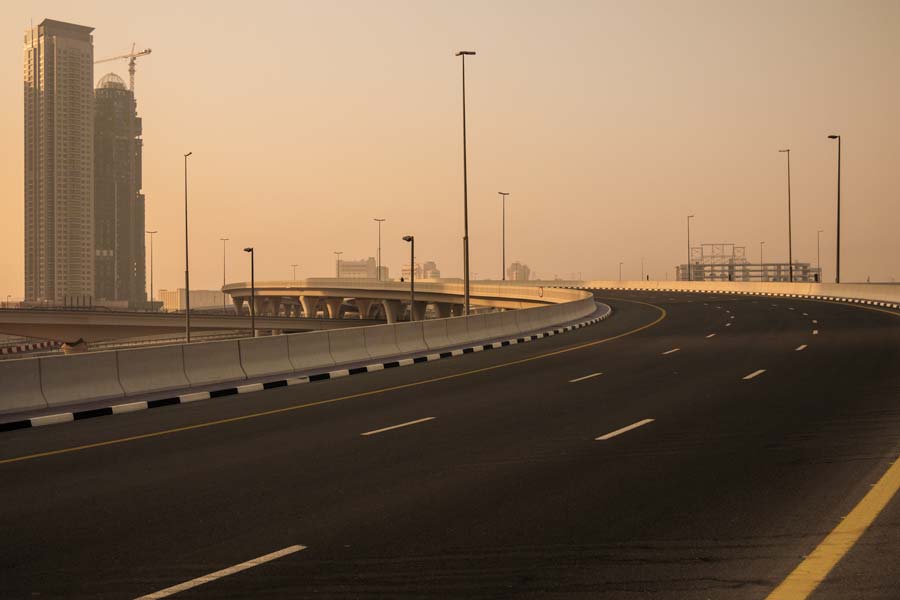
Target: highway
x=691, y=446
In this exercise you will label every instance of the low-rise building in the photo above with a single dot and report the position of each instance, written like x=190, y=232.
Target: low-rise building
x=174, y=300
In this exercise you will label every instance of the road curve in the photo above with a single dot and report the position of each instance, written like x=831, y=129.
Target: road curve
x=691, y=446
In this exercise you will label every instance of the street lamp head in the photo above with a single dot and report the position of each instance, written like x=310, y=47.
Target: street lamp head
x=408, y=238
x=248, y=249
x=379, y=220
x=690, y=216
x=465, y=53
x=834, y=137
x=154, y=231
x=785, y=150
x=188, y=154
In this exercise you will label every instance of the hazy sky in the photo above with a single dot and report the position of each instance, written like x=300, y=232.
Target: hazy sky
x=608, y=122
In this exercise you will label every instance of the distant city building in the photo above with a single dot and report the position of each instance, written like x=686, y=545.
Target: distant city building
x=518, y=271
x=360, y=269
x=426, y=270
x=120, y=272
x=173, y=300
x=727, y=262
x=59, y=162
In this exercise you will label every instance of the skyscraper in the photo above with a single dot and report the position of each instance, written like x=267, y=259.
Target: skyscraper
x=118, y=201
x=59, y=163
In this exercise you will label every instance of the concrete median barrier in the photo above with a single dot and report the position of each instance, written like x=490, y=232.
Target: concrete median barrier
x=411, y=337
x=381, y=341
x=212, y=362
x=435, y=333
x=310, y=351
x=509, y=326
x=265, y=356
x=348, y=345
x=458, y=330
x=20, y=385
x=81, y=377
x=144, y=370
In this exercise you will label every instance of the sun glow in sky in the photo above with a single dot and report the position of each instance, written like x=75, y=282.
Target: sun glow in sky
x=608, y=122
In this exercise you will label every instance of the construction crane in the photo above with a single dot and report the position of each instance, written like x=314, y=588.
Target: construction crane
x=131, y=56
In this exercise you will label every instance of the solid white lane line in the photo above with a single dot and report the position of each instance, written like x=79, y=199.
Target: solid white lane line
x=727, y=324
x=800, y=347
x=672, y=350
x=754, y=374
x=223, y=573
x=710, y=335
x=613, y=434
x=407, y=424
x=815, y=332
x=815, y=322
x=585, y=377
x=805, y=314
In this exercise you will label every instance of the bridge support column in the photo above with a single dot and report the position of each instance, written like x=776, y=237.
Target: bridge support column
x=457, y=310
x=391, y=310
x=442, y=309
x=310, y=306
x=334, y=307
x=417, y=310
x=238, y=305
x=364, y=304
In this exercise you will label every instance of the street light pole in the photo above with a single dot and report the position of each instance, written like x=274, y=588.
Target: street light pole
x=252, y=291
x=224, y=306
x=620, y=270
x=690, y=277
x=187, y=276
x=412, y=275
x=464, y=54
x=818, y=253
x=761, y=261
x=294, y=267
x=338, y=254
x=152, y=233
x=790, y=241
x=378, y=274
x=503, y=196
x=837, y=261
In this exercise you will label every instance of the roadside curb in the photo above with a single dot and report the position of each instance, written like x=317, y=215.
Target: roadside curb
x=118, y=409
x=6, y=350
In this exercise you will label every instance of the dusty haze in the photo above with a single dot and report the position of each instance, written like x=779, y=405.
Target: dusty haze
x=608, y=122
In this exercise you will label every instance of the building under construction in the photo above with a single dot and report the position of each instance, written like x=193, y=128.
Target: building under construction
x=727, y=262
x=118, y=201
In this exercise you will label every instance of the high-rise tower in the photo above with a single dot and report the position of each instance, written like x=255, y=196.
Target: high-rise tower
x=59, y=163
x=118, y=201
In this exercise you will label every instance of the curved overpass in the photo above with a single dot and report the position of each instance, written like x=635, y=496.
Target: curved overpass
x=697, y=444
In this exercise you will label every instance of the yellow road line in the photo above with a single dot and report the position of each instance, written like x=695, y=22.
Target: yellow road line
x=804, y=579
x=339, y=399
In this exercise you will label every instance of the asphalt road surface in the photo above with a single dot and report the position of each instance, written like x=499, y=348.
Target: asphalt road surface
x=735, y=433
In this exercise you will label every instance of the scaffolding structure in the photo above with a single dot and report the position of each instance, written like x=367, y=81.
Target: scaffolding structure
x=728, y=262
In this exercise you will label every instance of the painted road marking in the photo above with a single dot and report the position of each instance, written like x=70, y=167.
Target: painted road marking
x=407, y=424
x=223, y=573
x=727, y=324
x=613, y=434
x=815, y=332
x=805, y=314
x=295, y=407
x=815, y=322
x=585, y=377
x=800, y=347
x=671, y=351
x=731, y=317
x=815, y=567
x=710, y=335
x=755, y=374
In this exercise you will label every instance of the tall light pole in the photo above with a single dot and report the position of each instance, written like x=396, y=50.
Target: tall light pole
x=187, y=276
x=642, y=269
x=503, y=196
x=294, y=267
x=152, y=233
x=379, y=221
x=818, y=253
x=690, y=277
x=620, y=270
x=412, y=275
x=338, y=254
x=790, y=241
x=252, y=291
x=761, y=261
x=464, y=54
x=224, y=306
x=837, y=260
